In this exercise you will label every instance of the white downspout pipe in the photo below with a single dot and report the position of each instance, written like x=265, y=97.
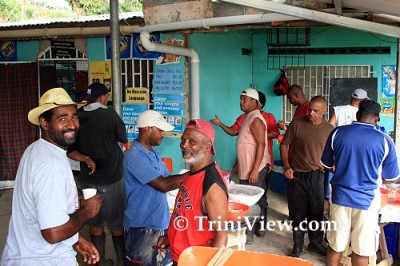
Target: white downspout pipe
x=194, y=68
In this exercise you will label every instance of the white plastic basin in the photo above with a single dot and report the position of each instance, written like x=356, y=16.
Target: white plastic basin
x=246, y=194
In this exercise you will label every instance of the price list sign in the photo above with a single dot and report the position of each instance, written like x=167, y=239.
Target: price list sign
x=168, y=95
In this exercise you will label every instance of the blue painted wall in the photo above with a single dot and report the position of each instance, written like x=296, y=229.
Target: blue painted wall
x=225, y=72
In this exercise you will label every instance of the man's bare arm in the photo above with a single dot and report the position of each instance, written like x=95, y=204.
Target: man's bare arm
x=216, y=205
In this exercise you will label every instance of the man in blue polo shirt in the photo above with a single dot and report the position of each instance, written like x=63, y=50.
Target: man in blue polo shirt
x=147, y=179
x=361, y=157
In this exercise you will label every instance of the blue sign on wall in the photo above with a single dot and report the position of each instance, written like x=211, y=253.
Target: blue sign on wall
x=8, y=51
x=139, y=51
x=168, y=97
x=125, y=44
x=168, y=79
x=130, y=113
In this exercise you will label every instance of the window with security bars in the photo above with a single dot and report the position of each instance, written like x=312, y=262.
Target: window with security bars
x=137, y=73
x=316, y=80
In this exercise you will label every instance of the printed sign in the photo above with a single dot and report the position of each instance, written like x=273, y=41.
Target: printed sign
x=169, y=79
x=8, y=51
x=63, y=49
x=388, y=100
x=137, y=95
x=139, y=51
x=125, y=44
x=129, y=113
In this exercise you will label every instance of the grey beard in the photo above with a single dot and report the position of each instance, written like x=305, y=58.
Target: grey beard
x=195, y=158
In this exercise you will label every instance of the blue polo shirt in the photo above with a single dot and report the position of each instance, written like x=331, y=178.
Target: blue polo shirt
x=361, y=156
x=145, y=206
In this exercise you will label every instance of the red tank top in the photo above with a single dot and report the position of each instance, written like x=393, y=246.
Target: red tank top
x=188, y=225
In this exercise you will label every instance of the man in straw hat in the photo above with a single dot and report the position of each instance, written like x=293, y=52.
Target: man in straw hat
x=46, y=216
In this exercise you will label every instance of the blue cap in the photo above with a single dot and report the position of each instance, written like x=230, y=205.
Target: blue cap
x=94, y=91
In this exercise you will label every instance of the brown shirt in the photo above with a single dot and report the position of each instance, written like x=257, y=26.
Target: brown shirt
x=307, y=142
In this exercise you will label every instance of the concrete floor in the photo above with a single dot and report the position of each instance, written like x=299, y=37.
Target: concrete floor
x=275, y=242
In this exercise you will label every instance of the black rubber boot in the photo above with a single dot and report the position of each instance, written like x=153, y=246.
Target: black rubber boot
x=119, y=248
x=298, y=244
x=261, y=225
x=316, y=242
x=249, y=236
x=100, y=242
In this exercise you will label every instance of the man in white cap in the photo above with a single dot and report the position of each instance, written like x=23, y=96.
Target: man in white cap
x=252, y=147
x=46, y=216
x=147, y=180
x=346, y=114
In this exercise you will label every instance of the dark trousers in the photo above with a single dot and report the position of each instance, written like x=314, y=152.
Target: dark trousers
x=262, y=202
x=305, y=193
x=267, y=182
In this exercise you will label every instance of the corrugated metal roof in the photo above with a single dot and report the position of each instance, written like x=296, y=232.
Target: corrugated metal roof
x=83, y=19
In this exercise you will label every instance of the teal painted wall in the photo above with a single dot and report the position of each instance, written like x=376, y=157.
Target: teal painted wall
x=95, y=49
x=324, y=37
x=225, y=72
x=27, y=50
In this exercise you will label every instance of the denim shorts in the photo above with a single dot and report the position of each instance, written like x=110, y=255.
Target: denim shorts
x=140, y=247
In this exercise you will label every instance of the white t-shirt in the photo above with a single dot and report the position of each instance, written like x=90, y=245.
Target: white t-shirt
x=345, y=114
x=44, y=195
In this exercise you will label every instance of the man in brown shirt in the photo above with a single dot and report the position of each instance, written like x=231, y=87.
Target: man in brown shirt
x=305, y=178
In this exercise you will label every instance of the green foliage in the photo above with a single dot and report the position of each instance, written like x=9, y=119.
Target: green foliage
x=11, y=10
x=131, y=5
x=98, y=7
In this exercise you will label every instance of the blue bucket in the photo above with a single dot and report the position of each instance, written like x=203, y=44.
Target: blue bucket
x=278, y=179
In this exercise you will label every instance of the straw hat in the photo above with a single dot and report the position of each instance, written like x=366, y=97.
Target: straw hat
x=51, y=99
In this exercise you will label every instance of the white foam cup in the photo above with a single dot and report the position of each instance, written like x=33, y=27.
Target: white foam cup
x=89, y=192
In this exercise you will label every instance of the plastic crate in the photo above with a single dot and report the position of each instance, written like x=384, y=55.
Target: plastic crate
x=392, y=238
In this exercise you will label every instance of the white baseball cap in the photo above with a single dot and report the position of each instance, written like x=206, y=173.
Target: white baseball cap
x=252, y=93
x=151, y=118
x=359, y=94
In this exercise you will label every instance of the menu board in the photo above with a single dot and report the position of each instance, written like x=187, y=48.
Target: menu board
x=169, y=95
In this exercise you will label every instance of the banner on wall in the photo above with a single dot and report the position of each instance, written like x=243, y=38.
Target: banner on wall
x=125, y=44
x=130, y=113
x=8, y=51
x=100, y=72
x=137, y=48
x=387, y=99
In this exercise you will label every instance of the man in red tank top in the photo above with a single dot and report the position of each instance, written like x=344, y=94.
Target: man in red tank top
x=202, y=197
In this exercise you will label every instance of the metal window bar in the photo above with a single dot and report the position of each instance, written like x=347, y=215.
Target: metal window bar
x=315, y=80
x=137, y=73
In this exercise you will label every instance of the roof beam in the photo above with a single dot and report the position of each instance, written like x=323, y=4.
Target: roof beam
x=338, y=6
x=320, y=17
x=390, y=7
